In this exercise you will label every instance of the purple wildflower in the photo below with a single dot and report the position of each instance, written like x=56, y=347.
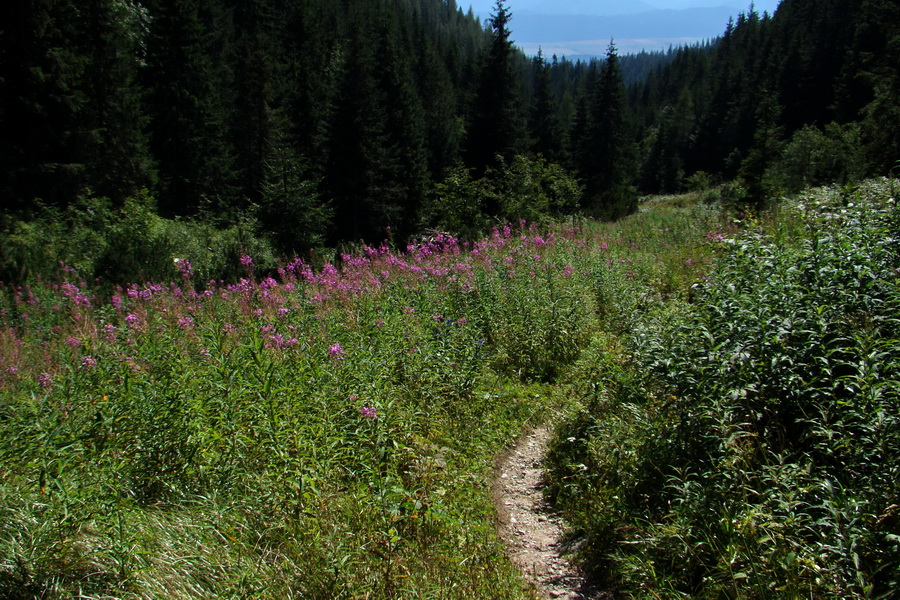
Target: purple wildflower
x=184, y=267
x=335, y=352
x=368, y=412
x=88, y=362
x=45, y=380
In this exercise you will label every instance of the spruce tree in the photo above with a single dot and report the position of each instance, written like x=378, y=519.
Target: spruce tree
x=254, y=64
x=290, y=210
x=42, y=98
x=188, y=95
x=606, y=163
x=546, y=130
x=496, y=127
x=116, y=153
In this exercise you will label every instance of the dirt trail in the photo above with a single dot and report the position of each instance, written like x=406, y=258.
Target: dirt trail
x=533, y=532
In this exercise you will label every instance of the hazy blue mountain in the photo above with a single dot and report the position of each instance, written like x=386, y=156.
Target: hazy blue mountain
x=583, y=28
x=582, y=7
x=692, y=22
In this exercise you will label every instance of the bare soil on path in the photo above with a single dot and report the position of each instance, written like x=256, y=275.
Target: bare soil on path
x=532, y=530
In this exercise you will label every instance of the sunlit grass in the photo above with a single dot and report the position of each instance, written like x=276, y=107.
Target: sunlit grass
x=307, y=433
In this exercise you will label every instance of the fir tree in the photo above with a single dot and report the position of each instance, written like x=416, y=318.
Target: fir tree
x=606, y=156
x=496, y=126
x=188, y=96
x=546, y=129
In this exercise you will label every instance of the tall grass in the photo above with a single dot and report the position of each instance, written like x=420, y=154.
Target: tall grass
x=321, y=433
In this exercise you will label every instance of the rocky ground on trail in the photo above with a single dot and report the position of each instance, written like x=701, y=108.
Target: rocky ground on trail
x=532, y=531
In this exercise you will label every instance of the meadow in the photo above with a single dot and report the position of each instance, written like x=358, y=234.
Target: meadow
x=328, y=431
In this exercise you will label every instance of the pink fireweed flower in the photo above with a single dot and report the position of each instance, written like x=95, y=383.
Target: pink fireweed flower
x=368, y=412
x=88, y=362
x=132, y=320
x=184, y=267
x=45, y=380
x=73, y=342
x=246, y=261
x=185, y=322
x=335, y=352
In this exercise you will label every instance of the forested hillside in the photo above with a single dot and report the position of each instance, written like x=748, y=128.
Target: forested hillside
x=316, y=122
x=280, y=280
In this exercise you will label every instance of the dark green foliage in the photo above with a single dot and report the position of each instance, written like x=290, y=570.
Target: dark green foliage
x=524, y=190
x=546, y=127
x=380, y=100
x=604, y=148
x=816, y=157
x=819, y=62
x=127, y=243
x=186, y=77
x=752, y=445
x=496, y=126
x=102, y=96
x=765, y=152
x=70, y=107
x=291, y=212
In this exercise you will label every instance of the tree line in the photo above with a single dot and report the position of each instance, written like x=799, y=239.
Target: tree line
x=335, y=120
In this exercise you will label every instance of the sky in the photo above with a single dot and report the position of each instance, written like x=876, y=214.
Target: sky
x=583, y=28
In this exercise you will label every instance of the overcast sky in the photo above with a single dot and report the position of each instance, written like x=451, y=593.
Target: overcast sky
x=635, y=25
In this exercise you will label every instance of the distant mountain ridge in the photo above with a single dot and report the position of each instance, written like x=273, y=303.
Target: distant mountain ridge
x=581, y=29
x=691, y=22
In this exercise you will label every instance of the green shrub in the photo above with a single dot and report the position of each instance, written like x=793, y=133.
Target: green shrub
x=755, y=444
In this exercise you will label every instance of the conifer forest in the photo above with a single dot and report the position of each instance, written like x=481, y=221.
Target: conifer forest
x=327, y=122
x=280, y=280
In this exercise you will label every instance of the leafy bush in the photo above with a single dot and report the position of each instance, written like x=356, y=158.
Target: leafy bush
x=752, y=450
x=529, y=190
x=815, y=157
x=125, y=244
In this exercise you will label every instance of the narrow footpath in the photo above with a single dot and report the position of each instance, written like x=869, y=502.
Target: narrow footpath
x=532, y=531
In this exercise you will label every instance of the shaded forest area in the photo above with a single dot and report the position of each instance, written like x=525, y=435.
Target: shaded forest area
x=325, y=121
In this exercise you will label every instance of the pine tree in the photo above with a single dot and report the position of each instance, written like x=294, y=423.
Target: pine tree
x=291, y=211
x=546, y=129
x=188, y=95
x=880, y=59
x=606, y=155
x=42, y=95
x=763, y=154
x=496, y=126
x=117, y=158
x=250, y=119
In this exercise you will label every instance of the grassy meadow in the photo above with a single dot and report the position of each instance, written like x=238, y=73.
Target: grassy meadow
x=725, y=386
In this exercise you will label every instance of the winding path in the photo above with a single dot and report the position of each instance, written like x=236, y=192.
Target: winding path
x=532, y=531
